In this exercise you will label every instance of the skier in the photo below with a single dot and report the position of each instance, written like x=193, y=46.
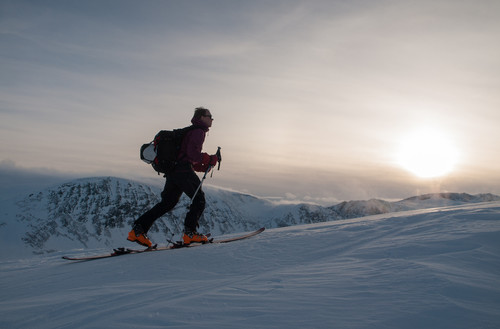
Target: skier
x=182, y=179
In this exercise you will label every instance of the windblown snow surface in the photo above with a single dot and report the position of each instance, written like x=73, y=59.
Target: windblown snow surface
x=433, y=268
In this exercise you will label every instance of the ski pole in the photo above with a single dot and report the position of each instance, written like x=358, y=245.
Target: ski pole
x=201, y=183
x=219, y=157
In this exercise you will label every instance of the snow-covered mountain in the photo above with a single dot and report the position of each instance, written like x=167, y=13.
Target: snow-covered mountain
x=353, y=209
x=97, y=212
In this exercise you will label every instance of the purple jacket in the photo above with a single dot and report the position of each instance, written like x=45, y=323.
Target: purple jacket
x=193, y=142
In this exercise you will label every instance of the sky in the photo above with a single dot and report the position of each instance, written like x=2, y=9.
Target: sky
x=319, y=101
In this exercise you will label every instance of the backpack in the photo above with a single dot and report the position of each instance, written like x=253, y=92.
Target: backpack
x=162, y=152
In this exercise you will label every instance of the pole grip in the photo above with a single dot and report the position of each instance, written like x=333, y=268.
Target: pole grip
x=219, y=157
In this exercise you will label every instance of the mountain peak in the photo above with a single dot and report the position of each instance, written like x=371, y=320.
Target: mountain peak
x=442, y=198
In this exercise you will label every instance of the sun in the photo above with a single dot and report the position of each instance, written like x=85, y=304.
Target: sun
x=427, y=153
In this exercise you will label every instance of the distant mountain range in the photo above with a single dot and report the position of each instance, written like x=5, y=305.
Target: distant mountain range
x=99, y=212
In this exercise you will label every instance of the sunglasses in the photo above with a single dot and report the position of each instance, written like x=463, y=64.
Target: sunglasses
x=209, y=116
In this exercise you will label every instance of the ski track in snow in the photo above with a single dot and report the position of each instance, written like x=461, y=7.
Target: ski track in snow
x=434, y=268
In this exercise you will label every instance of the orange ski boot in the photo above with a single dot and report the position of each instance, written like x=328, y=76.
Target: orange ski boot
x=140, y=238
x=194, y=237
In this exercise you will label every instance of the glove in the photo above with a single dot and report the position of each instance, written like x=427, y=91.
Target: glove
x=213, y=160
x=200, y=167
x=206, y=161
x=209, y=159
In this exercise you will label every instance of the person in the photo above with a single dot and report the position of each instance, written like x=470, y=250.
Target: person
x=182, y=179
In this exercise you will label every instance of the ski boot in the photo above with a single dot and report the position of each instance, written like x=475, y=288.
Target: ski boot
x=190, y=237
x=137, y=235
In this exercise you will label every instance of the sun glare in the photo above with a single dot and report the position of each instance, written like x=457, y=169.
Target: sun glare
x=427, y=153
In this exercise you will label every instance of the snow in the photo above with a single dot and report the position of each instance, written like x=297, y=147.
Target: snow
x=432, y=268
x=99, y=212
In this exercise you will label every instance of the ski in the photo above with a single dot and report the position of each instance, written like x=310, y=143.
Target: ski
x=175, y=245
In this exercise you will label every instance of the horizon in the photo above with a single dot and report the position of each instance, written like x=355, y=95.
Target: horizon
x=313, y=100
x=15, y=186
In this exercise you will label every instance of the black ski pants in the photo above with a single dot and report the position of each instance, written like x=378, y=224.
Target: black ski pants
x=177, y=182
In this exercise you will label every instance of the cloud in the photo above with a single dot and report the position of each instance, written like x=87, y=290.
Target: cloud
x=308, y=95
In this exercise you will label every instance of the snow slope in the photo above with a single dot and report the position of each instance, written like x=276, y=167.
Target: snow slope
x=98, y=212
x=433, y=268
